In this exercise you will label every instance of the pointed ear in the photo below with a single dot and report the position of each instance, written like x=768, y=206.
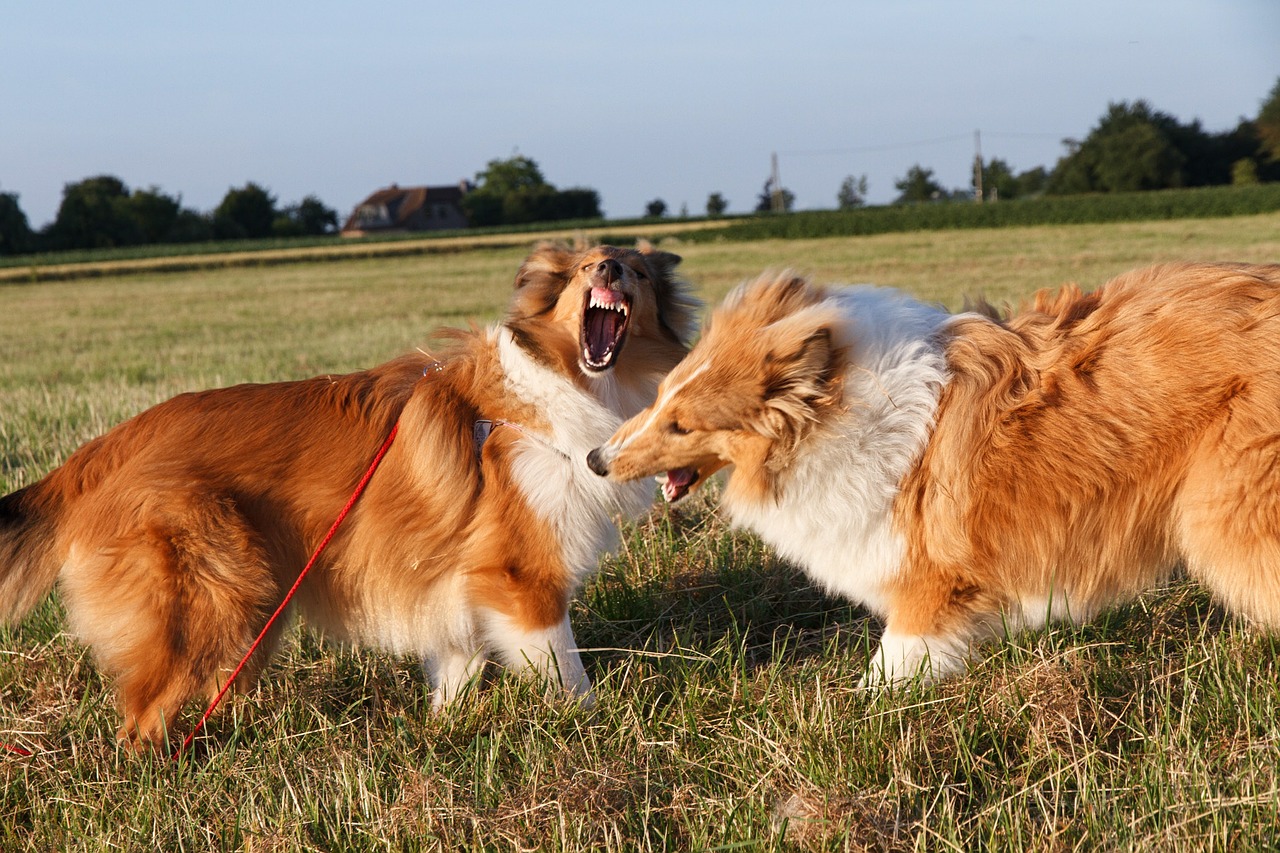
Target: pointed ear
x=546, y=259
x=677, y=307
x=662, y=263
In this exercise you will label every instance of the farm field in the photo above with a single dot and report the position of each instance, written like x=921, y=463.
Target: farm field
x=727, y=713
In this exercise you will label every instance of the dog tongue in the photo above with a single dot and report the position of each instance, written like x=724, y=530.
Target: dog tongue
x=603, y=325
x=677, y=483
x=602, y=334
x=606, y=296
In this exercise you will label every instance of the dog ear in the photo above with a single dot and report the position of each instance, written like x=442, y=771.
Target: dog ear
x=677, y=308
x=663, y=264
x=547, y=259
x=801, y=372
x=800, y=367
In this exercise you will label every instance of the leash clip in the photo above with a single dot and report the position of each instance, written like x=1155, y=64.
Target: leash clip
x=480, y=432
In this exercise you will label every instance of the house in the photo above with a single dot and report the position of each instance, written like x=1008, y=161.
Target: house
x=397, y=209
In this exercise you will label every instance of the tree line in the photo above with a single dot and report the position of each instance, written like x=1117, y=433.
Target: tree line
x=102, y=213
x=1132, y=147
x=514, y=192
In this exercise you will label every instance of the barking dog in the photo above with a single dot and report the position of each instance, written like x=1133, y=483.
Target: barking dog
x=175, y=535
x=962, y=476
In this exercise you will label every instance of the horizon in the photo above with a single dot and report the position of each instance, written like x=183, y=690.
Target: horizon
x=665, y=102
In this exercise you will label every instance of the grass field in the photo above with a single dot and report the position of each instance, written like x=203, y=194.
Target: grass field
x=727, y=714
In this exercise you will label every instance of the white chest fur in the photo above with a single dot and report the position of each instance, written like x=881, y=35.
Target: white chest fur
x=833, y=516
x=551, y=469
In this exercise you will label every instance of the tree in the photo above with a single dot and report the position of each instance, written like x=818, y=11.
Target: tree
x=577, y=203
x=1136, y=147
x=191, y=227
x=100, y=212
x=918, y=185
x=514, y=175
x=1137, y=157
x=765, y=202
x=1032, y=182
x=508, y=192
x=1267, y=125
x=513, y=191
x=94, y=214
x=716, y=204
x=655, y=209
x=15, y=232
x=155, y=214
x=245, y=213
x=309, y=217
x=316, y=217
x=852, y=193
x=999, y=181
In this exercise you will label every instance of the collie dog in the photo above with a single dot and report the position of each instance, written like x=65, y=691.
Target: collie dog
x=175, y=535
x=963, y=476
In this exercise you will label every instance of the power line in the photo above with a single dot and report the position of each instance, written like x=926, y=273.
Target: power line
x=861, y=148
x=919, y=143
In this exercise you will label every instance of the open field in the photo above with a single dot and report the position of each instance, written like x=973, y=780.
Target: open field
x=180, y=258
x=727, y=714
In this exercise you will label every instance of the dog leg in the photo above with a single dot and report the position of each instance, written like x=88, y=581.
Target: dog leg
x=1229, y=520
x=451, y=673
x=902, y=657
x=171, y=605
x=548, y=653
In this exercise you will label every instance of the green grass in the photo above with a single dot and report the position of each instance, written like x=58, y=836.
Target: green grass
x=188, y=257
x=1199, y=202
x=728, y=716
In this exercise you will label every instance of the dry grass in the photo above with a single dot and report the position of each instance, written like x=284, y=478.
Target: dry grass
x=347, y=250
x=728, y=715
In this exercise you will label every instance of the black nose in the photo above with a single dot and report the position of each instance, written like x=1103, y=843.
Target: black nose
x=595, y=461
x=609, y=270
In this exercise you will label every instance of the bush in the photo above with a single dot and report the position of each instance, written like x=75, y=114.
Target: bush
x=15, y=233
x=1049, y=210
x=247, y=212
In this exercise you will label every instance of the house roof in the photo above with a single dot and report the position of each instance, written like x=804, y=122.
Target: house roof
x=394, y=206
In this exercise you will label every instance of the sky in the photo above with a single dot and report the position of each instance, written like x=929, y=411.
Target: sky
x=660, y=100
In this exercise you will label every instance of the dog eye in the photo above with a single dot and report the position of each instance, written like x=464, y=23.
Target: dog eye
x=676, y=429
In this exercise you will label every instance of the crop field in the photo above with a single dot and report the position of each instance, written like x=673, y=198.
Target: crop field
x=727, y=714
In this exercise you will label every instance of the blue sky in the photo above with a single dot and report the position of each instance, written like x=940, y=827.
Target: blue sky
x=671, y=100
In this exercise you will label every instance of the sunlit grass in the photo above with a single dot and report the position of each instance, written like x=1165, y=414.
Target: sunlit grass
x=728, y=713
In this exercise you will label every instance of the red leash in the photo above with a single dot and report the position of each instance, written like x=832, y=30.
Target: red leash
x=364, y=481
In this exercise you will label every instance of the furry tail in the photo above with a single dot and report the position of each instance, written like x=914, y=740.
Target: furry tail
x=29, y=565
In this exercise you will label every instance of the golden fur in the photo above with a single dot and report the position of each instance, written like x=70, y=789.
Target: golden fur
x=1095, y=440
x=1053, y=463
x=176, y=534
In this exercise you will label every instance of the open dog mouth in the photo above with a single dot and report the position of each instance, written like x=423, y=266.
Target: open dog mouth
x=605, y=316
x=677, y=483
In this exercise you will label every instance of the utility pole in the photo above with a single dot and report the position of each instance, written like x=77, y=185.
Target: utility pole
x=977, y=166
x=776, y=202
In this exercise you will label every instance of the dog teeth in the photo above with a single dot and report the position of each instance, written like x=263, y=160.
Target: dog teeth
x=591, y=362
x=620, y=306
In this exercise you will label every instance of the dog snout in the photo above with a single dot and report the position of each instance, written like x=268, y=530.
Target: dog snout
x=608, y=271
x=598, y=462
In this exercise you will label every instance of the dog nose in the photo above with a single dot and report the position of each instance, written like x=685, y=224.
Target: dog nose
x=609, y=270
x=596, y=462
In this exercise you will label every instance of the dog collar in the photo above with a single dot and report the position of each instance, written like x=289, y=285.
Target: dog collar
x=482, y=429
